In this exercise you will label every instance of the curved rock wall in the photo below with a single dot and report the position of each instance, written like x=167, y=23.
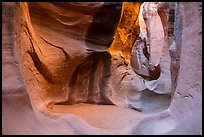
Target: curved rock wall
x=188, y=93
x=135, y=56
x=60, y=60
x=184, y=114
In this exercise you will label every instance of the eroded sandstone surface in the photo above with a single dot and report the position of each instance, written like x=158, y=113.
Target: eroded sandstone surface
x=101, y=68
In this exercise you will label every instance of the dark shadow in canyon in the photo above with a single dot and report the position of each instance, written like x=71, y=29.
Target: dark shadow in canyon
x=101, y=32
x=89, y=80
x=88, y=83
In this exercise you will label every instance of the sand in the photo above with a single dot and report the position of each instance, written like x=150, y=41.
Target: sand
x=107, y=117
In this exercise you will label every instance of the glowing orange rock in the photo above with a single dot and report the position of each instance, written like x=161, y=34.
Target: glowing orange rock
x=127, y=31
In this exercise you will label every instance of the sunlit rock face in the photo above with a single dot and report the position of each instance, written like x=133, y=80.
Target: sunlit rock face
x=68, y=49
x=101, y=68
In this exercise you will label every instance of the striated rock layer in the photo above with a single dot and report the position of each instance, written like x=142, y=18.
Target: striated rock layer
x=101, y=68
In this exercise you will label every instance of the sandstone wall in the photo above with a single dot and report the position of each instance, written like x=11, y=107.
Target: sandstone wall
x=140, y=56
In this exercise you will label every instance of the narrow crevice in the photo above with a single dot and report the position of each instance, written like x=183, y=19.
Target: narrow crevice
x=124, y=75
x=68, y=57
x=41, y=67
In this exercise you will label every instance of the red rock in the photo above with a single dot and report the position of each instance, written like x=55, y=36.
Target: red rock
x=85, y=68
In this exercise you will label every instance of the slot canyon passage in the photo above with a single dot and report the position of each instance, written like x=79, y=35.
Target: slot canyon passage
x=101, y=68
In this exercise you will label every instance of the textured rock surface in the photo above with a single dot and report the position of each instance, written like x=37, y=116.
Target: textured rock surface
x=59, y=56
x=188, y=92
x=184, y=115
x=150, y=54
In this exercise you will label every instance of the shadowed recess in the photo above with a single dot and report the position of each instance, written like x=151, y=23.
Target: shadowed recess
x=104, y=24
x=89, y=80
